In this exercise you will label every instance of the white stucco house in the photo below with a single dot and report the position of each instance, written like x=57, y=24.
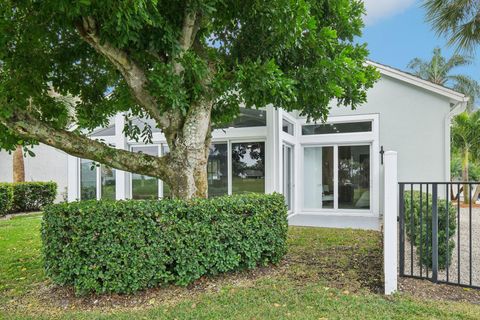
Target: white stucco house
x=330, y=173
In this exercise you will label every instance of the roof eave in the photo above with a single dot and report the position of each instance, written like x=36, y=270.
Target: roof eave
x=453, y=95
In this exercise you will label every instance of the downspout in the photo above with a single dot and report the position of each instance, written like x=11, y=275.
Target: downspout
x=458, y=108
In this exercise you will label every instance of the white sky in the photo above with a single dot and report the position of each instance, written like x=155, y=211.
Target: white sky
x=380, y=9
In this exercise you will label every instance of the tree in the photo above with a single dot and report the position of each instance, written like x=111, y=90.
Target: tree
x=185, y=64
x=458, y=20
x=18, y=165
x=466, y=141
x=438, y=70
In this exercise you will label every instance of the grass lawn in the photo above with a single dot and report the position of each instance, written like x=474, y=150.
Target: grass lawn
x=327, y=274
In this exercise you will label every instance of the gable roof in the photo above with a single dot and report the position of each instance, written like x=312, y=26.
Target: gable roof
x=453, y=95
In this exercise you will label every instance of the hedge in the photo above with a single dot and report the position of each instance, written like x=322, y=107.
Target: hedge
x=125, y=246
x=444, y=251
x=33, y=196
x=6, y=198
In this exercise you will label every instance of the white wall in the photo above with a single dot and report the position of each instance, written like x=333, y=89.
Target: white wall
x=48, y=164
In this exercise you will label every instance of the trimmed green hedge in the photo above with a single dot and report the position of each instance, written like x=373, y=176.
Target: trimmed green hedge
x=6, y=198
x=444, y=251
x=125, y=246
x=33, y=196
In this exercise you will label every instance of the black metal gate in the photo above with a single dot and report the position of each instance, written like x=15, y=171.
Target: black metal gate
x=439, y=232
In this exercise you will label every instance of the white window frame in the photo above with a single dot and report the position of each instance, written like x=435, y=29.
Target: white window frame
x=292, y=173
x=230, y=170
x=370, y=138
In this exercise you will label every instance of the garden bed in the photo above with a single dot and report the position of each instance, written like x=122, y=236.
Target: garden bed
x=327, y=273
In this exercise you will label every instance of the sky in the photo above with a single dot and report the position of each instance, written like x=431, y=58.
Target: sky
x=396, y=32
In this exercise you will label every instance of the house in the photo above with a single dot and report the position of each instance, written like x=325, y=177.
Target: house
x=330, y=173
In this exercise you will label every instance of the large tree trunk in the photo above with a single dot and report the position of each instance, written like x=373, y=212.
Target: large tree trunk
x=466, y=187
x=189, y=148
x=18, y=165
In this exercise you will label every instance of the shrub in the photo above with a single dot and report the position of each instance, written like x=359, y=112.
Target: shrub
x=6, y=198
x=32, y=196
x=444, y=251
x=124, y=246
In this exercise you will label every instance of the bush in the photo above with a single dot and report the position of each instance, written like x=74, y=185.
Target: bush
x=6, y=198
x=33, y=196
x=426, y=228
x=125, y=246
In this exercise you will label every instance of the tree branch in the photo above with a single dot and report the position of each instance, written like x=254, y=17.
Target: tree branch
x=191, y=25
x=80, y=146
x=133, y=74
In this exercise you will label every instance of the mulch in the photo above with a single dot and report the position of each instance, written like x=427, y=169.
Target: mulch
x=424, y=289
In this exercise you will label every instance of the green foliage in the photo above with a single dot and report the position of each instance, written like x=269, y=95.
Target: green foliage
x=125, y=246
x=6, y=198
x=298, y=55
x=457, y=20
x=33, y=196
x=421, y=234
x=456, y=168
x=439, y=70
x=466, y=134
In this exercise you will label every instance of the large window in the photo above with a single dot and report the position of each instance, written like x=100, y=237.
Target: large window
x=350, y=165
x=217, y=170
x=88, y=180
x=248, y=167
x=145, y=187
x=108, y=183
x=247, y=118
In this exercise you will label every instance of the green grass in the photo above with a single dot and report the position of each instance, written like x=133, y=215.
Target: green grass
x=20, y=256
x=327, y=273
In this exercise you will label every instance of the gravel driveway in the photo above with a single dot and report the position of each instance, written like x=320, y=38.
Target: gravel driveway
x=464, y=252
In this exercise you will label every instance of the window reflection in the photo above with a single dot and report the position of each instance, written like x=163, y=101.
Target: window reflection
x=354, y=177
x=107, y=183
x=217, y=170
x=88, y=180
x=145, y=187
x=248, y=167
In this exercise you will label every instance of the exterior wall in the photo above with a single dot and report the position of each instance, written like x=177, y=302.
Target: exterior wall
x=412, y=122
x=48, y=164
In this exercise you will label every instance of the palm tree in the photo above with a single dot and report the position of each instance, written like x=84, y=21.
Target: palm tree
x=456, y=19
x=438, y=70
x=18, y=165
x=466, y=141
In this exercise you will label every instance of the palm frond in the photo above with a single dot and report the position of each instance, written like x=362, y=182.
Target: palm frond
x=459, y=20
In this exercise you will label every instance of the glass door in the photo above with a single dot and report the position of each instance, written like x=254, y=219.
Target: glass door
x=337, y=177
x=354, y=177
x=318, y=179
x=287, y=154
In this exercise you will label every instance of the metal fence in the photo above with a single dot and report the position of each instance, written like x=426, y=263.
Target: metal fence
x=439, y=232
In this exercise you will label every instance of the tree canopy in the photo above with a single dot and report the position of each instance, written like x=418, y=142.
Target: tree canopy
x=67, y=66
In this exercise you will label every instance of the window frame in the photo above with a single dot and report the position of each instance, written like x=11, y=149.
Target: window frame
x=336, y=209
x=361, y=138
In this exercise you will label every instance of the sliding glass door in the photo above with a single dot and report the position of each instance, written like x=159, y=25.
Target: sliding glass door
x=318, y=177
x=336, y=177
x=354, y=177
